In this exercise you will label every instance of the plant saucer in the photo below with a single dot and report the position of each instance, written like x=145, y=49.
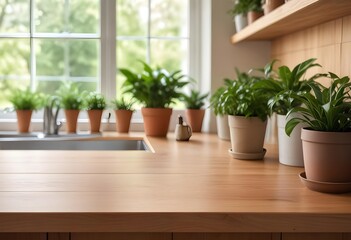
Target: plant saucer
x=325, y=187
x=248, y=156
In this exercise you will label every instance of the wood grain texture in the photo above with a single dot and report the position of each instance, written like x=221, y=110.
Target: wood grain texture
x=312, y=236
x=23, y=236
x=292, y=17
x=222, y=236
x=191, y=186
x=121, y=236
x=58, y=236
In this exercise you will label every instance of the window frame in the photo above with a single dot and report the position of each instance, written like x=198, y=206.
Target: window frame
x=107, y=65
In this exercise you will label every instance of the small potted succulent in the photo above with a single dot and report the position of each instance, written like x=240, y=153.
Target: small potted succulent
x=156, y=89
x=95, y=105
x=282, y=85
x=71, y=100
x=326, y=139
x=25, y=101
x=123, y=112
x=248, y=112
x=194, y=112
x=239, y=12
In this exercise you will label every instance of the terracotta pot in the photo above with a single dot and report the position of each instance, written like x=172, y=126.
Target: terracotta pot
x=223, y=127
x=95, y=120
x=195, y=118
x=270, y=5
x=253, y=16
x=247, y=134
x=290, y=148
x=327, y=156
x=156, y=121
x=71, y=120
x=23, y=120
x=123, y=118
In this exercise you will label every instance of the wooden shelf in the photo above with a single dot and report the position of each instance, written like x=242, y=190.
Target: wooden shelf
x=293, y=16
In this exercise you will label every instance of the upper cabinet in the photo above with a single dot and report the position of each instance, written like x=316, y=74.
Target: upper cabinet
x=293, y=16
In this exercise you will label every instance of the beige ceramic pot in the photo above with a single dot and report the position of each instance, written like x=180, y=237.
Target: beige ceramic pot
x=327, y=156
x=247, y=134
x=195, y=118
x=23, y=120
x=156, y=121
x=71, y=120
x=123, y=118
x=95, y=120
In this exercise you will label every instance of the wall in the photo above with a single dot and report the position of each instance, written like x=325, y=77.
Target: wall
x=329, y=42
x=219, y=56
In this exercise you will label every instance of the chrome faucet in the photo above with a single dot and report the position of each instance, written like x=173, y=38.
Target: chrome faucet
x=51, y=126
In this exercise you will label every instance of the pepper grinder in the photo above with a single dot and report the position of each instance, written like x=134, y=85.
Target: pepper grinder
x=183, y=131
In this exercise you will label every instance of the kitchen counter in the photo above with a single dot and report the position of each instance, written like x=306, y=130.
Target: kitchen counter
x=191, y=186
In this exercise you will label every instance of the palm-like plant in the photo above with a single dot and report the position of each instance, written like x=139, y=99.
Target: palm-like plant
x=195, y=100
x=327, y=109
x=154, y=88
x=285, y=84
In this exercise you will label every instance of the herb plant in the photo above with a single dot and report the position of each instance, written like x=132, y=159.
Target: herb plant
x=25, y=99
x=122, y=104
x=95, y=101
x=215, y=102
x=241, y=98
x=195, y=100
x=284, y=84
x=70, y=97
x=240, y=7
x=255, y=5
x=154, y=88
x=325, y=109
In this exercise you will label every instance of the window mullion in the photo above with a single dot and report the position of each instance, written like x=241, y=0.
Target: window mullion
x=148, y=46
x=108, y=48
x=33, y=73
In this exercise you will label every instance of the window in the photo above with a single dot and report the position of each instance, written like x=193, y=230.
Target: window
x=45, y=42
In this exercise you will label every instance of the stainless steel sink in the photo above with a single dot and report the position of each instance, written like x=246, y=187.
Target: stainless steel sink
x=68, y=142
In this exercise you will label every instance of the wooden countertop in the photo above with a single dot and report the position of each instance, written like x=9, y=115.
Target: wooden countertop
x=191, y=186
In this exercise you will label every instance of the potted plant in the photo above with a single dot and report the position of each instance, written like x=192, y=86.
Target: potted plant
x=123, y=112
x=95, y=105
x=248, y=111
x=270, y=5
x=156, y=89
x=239, y=13
x=71, y=100
x=282, y=85
x=326, y=139
x=221, y=118
x=255, y=11
x=194, y=112
x=24, y=102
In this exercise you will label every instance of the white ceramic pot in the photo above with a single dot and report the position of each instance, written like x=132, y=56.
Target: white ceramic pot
x=223, y=127
x=290, y=148
x=240, y=22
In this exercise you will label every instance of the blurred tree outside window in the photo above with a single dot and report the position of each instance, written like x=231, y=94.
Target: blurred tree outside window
x=45, y=42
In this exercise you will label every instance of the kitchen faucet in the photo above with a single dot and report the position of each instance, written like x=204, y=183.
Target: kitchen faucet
x=51, y=126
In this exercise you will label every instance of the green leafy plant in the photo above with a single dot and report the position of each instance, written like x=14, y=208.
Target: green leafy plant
x=195, y=100
x=241, y=98
x=325, y=109
x=26, y=99
x=95, y=101
x=255, y=5
x=122, y=104
x=154, y=88
x=284, y=84
x=70, y=97
x=240, y=7
x=215, y=102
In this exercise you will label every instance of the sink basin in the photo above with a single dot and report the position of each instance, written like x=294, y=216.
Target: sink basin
x=69, y=142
